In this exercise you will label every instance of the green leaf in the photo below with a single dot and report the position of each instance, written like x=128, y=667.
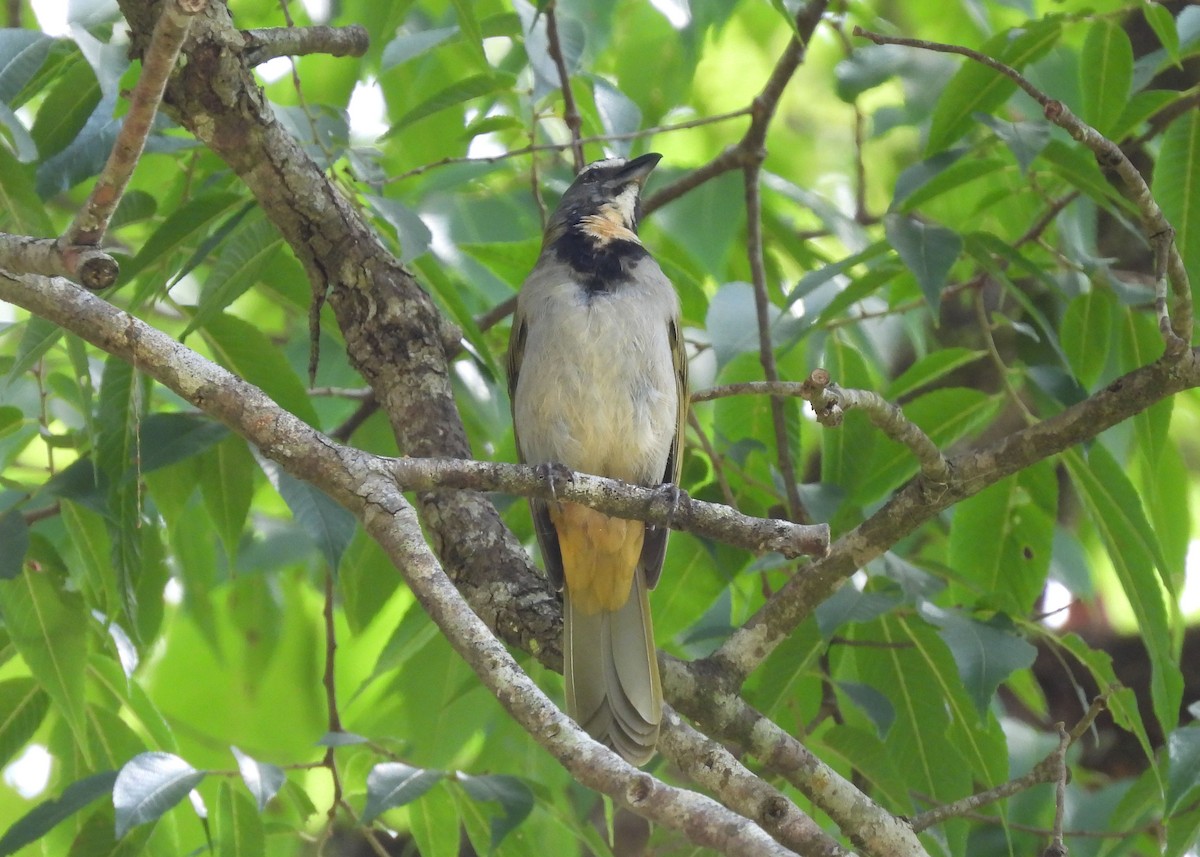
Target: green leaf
x=513, y=795
x=244, y=255
x=1086, y=332
x=168, y=438
x=48, y=814
x=14, y=535
x=1176, y=186
x=1163, y=23
x=66, y=109
x=928, y=251
x=930, y=368
x=1183, y=777
x=37, y=338
x=330, y=526
x=22, y=53
x=435, y=824
x=1116, y=512
x=456, y=93
x=867, y=755
x=414, y=236
x=227, y=486
x=238, y=828
x=262, y=779
x=1105, y=74
x=472, y=33
x=242, y=348
x=23, y=706
x=392, y=784
x=177, y=231
x=21, y=208
x=1002, y=538
x=48, y=628
x=406, y=46
x=148, y=785
x=986, y=653
x=975, y=88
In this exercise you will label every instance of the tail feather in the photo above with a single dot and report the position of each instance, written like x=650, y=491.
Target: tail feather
x=611, y=673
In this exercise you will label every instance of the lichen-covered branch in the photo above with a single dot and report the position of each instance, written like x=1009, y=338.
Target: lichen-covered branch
x=268, y=44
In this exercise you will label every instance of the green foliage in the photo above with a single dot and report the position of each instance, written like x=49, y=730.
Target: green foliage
x=928, y=234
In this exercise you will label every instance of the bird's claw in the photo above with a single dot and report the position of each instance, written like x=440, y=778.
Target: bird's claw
x=674, y=497
x=556, y=475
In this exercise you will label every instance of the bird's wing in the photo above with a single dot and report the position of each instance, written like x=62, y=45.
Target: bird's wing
x=543, y=527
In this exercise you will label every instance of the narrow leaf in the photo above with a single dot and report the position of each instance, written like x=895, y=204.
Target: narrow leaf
x=1176, y=186
x=148, y=785
x=227, y=485
x=1088, y=320
x=48, y=627
x=244, y=255
x=1105, y=74
x=238, y=828
x=23, y=706
x=14, y=536
x=456, y=93
x=392, y=784
x=975, y=88
x=329, y=525
x=1116, y=511
x=48, y=814
x=405, y=46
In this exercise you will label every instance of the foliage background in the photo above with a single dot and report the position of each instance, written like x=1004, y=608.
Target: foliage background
x=926, y=234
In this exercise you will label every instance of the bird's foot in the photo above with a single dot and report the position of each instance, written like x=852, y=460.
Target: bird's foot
x=556, y=475
x=673, y=497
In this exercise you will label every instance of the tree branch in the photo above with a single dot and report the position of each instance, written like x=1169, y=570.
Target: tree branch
x=157, y=64
x=570, y=111
x=87, y=265
x=268, y=44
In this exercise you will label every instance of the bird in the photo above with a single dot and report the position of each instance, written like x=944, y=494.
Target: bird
x=597, y=375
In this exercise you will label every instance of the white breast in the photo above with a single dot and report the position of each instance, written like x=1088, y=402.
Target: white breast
x=597, y=389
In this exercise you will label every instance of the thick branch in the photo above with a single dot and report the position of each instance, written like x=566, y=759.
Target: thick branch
x=86, y=265
x=157, y=64
x=268, y=44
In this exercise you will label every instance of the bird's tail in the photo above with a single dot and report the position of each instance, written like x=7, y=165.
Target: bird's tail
x=611, y=673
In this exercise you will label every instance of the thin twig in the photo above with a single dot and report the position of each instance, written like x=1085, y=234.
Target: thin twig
x=268, y=44
x=157, y=64
x=533, y=149
x=766, y=345
x=1170, y=269
x=571, y=115
x=716, y=461
x=333, y=717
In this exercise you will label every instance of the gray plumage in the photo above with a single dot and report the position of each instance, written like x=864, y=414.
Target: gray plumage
x=597, y=377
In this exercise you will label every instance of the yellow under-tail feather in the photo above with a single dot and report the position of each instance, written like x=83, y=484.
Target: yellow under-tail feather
x=599, y=556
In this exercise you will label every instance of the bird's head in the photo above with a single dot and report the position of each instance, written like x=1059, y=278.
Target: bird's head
x=604, y=201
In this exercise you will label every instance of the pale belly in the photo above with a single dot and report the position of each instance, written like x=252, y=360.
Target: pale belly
x=597, y=389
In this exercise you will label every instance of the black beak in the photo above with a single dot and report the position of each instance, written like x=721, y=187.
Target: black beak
x=639, y=168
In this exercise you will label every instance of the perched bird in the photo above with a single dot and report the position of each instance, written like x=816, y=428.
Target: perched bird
x=598, y=383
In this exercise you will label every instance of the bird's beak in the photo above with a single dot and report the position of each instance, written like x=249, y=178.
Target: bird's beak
x=639, y=168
